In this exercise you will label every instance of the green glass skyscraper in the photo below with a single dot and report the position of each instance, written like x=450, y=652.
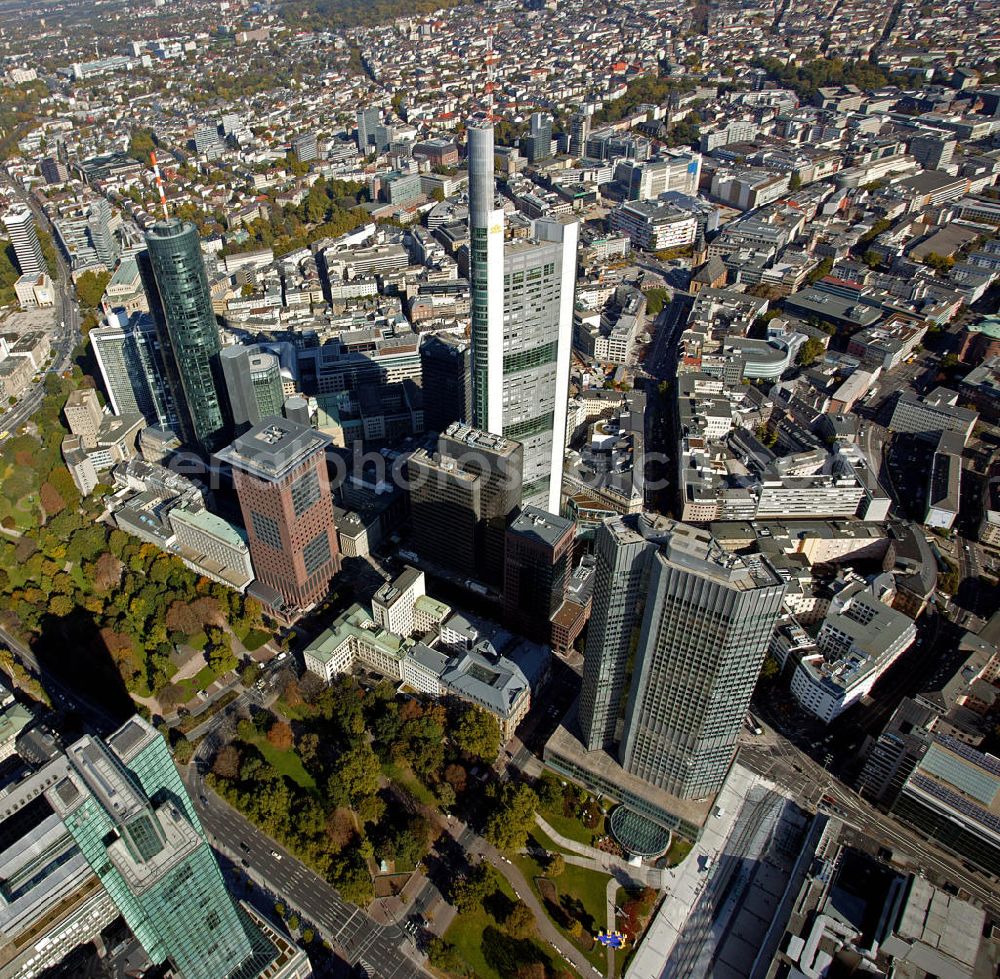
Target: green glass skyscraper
x=126, y=808
x=179, y=299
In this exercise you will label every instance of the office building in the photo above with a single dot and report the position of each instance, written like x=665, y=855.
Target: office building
x=579, y=133
x=951, y=796
x=537, y=566
x=102, y=238
x=538, y=142
x=84, y=416
x=860, y=638
x=20, y=225
x=446, y=366
x=462, y=498
x=279, y=469
x=304, y=147
x=938, y=411
x=704, y=617
x=206, y=138
x=368, y=121
x=54, y=171
x=253, y=385
x=130, y=356
x=652, y=226
x=394, y=605
x=130, y=816
x=676, y=171
x=522, y=328
x=181, y=304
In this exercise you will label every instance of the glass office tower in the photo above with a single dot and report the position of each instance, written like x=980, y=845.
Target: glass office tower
x=181, y=304
x=685, y=624
x=522, y=327
x=126, y=808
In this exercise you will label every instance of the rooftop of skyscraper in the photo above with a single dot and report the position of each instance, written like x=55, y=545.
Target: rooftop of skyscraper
x=476, y=438
x=534, y=522
x=169, y=228
x=273, y=448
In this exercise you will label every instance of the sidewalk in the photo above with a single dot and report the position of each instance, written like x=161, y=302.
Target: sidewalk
x=594, y=859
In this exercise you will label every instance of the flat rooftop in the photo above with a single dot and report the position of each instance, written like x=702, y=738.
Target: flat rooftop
x=273, y=448
x=532, y=522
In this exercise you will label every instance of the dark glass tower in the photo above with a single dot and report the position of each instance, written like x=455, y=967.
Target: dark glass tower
x=125, y=806
x=179, y=299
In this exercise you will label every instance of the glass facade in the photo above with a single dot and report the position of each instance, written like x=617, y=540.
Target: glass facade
x=521, y=307
x=126, y=808
x=182, y=307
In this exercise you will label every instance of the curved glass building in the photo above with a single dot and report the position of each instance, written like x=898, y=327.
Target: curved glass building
x=181, y=304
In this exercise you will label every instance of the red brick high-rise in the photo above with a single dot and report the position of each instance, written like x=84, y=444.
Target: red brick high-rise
x=279, y=469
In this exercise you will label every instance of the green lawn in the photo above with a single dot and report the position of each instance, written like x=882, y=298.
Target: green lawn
x=253, y=639
x=192, y=684
x=285, y=762
x=544, y=840
x=679, y=849
x=579, y=883
x=296, y=712
x=403, y=776
x=485, y=953
x=571, y=827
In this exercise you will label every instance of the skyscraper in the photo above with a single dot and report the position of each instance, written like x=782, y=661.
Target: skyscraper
x=279, y=468
x=537, y=564
x=368, y=120
x=621, y=548
x=181, y=304
x=539, y=138
x=101, y=235
x=20, y=225
x=579, y=133
x=446, y=370
x=704, y=617
x=522, y=323
x=130, y=356
x=125, y=806
x=462, y=498
x=253, y=384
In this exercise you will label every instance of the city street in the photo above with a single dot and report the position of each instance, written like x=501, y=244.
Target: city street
x=67, y=330
x=348, y=929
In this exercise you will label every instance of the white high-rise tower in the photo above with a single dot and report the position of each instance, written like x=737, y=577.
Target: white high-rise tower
x=522, y=327
x=20, y=225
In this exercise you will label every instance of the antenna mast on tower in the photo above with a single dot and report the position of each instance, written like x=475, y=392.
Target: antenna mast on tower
x=490, y=60
x=159, y=184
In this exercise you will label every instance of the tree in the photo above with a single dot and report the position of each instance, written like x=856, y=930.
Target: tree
x=871, y=259
x=810, y=352
x=226, y=763
x=507, y=827
x=469, y=892
x=477, y=733
x=940, y=263
x=656, y=299
x=51, y=500
x=90, y=288
x=356, y=775
x=141, y=145
x=821, y=270
x=280, y=735
x=183, y=751
x=556, y=865
x=795, y=181
x=445, y=956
